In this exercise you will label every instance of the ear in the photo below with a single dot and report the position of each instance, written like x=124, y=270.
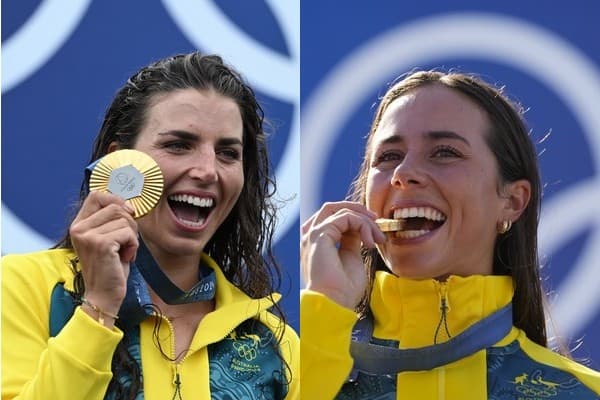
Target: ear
x=112, y=147
x=516, y=197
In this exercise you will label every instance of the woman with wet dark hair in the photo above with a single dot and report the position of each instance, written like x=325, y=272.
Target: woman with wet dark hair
x=175, y=303
x=436, y=253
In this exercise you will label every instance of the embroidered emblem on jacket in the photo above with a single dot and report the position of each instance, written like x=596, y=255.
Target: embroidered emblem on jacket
x=535, y=386
x=247, y=365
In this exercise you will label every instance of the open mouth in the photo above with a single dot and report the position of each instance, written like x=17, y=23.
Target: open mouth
x=191, y=210
x=418, y=221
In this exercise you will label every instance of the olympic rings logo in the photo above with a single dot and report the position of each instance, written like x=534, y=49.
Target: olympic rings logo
x=248, y=352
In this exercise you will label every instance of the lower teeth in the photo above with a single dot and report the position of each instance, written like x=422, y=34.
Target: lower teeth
x=192, y=224
x=410, y=234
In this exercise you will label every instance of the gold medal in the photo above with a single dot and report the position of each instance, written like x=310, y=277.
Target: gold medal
x=390, y=225
x=131, y=175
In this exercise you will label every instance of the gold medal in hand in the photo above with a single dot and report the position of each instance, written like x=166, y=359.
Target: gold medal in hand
x=131, y=175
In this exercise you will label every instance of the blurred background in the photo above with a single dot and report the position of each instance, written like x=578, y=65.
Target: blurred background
x=62, y=61
x=547, y=56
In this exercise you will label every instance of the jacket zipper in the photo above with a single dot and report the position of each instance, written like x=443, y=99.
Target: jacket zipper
x=444, y=309
x=176, y=376
x=177, y=383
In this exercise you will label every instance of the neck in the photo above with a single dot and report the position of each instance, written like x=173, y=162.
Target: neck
x=182, y=270
x=178, y=311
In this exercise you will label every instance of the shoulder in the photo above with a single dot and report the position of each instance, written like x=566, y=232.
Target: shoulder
x=524, y=367
x=543, y=355
x=49, y=266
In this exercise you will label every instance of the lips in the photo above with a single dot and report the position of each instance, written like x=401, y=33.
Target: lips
x=419, y=221
x=191, y=210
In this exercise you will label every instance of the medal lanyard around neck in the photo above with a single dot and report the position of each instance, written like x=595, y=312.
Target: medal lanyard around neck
x=167, y=290
x=382, y=360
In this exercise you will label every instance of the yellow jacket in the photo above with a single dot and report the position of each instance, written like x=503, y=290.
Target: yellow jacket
x=407, y=315
x=76, y=364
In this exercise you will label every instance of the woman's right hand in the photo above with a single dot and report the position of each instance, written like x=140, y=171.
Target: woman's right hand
x=104, y=235
x=330, y=250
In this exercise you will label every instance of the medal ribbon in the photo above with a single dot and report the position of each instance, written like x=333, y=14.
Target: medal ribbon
x=382, y=360
x=167, y=290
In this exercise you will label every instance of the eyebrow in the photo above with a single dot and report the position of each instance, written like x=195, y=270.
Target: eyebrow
x=226, y=141
x=437, y=135
x=431, y=135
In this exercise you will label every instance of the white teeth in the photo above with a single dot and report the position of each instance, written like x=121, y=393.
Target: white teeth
x=410, y=234
x=193, y=200
x=422, y=212
x=192, y=224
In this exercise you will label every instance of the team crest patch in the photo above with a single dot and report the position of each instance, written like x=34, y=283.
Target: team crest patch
x=537, y=384
x=247, y=365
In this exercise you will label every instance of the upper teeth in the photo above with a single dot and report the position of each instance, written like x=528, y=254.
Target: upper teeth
x=194, y=200
x=422, y=212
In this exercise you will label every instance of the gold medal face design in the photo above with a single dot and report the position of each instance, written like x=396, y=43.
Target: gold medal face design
x=131, y=175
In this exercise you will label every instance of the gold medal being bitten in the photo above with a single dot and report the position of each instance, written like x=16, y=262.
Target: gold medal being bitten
x=131, y=175
x=389, y=225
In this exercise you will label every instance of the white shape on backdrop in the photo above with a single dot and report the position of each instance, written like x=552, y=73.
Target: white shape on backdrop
x=23, y=53
x=557, y=64
x=53, y=22
x=39, y=38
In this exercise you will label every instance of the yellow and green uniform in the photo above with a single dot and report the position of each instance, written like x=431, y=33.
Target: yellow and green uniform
x=407, y=315
x=76, y=363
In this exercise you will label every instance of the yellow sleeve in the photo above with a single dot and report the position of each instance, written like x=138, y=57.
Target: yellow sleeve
x=325, y=332
x=73, y=365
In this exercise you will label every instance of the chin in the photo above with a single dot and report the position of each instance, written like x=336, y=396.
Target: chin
x=415, y=270
x=179, y=247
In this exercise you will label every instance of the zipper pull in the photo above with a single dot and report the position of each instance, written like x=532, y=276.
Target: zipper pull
x=444, y=309
x=177, y=384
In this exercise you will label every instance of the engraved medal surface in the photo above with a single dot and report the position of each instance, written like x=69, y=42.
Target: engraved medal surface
x=131, y=175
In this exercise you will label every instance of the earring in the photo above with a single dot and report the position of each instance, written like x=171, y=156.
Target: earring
x=505, y=227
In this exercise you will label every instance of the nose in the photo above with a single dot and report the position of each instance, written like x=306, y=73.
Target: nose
x=203, y=167
x=408, y=173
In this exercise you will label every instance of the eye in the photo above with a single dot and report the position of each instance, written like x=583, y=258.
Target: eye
x=229, y=154
x=177, y=146
x=390, y=156
x=445, y=151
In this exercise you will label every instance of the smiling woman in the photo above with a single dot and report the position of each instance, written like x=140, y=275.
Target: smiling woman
x=176, y=303
x=449, y=300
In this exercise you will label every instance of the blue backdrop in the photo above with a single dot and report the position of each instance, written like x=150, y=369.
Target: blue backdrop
x=62, y=61
x=549, y=59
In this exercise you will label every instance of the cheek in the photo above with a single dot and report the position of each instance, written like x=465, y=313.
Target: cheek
x=168, y=168
x=376, y=189
x=235, y=180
